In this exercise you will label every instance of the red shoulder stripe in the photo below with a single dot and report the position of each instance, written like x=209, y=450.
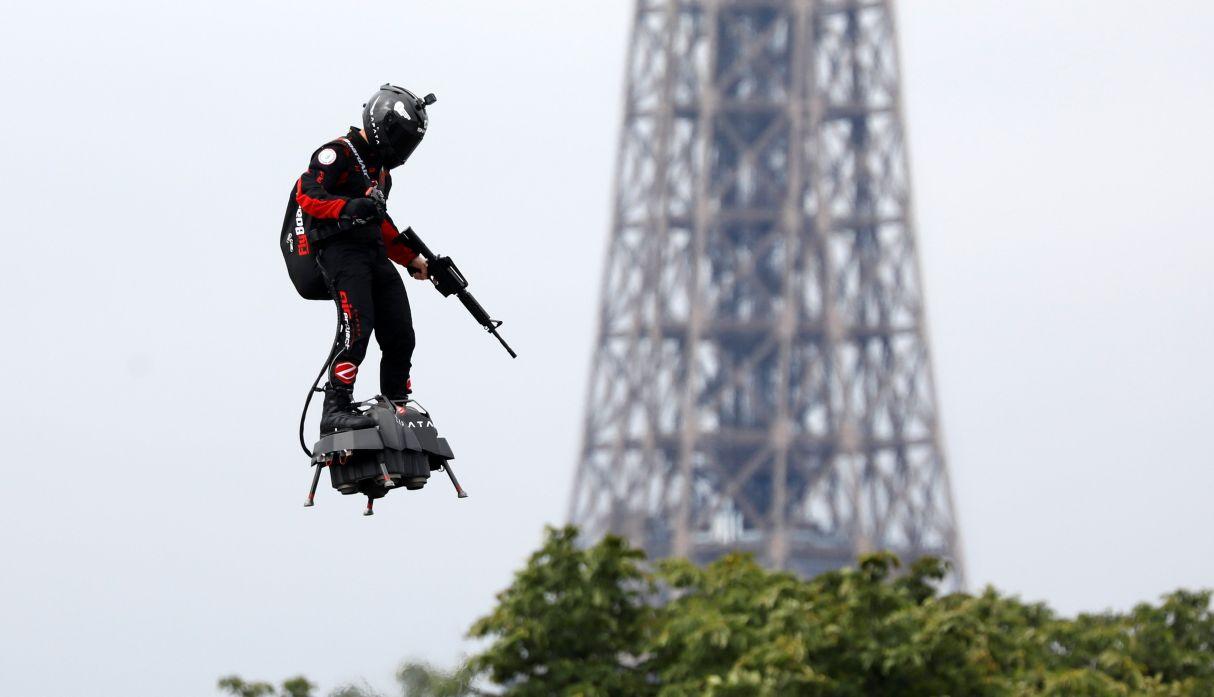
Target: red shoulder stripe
x=316, y=207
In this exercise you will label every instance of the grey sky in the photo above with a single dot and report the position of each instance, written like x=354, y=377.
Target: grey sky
x=150, y=523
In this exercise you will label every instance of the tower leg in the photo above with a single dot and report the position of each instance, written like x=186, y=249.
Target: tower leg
x=807, y=163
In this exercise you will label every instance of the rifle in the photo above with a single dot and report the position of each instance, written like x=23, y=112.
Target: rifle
x=447, y=278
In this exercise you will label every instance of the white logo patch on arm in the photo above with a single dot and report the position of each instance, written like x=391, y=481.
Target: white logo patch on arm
x=326, y=156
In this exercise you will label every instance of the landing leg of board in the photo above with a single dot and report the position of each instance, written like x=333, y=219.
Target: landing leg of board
x=315, y=481
x=388, y=483
x=459, y=490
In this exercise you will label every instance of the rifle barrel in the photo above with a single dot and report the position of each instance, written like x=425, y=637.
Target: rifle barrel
x=503, y=343
x=474, y=308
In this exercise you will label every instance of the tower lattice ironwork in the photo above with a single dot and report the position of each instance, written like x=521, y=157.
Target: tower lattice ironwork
x=762, y=379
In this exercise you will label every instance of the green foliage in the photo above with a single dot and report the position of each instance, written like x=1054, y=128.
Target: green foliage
x=292, y=687
x=597, y=621
x=352, y=690
x=571, y=623
x=423, y=680
x=600, y=622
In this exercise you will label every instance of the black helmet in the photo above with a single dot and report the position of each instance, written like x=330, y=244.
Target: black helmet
x=395, y=121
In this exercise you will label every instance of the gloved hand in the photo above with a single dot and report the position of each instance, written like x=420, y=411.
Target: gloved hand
x=360, y=211
x=381, y=201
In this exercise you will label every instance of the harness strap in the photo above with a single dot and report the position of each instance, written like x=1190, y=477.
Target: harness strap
x=361, y=165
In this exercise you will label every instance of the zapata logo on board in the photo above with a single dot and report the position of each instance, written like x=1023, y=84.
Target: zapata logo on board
x=346, y=372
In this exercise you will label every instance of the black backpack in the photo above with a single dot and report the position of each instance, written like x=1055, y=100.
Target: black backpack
x=299, y=252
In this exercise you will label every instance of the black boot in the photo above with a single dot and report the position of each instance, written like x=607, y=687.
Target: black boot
x=338, y=414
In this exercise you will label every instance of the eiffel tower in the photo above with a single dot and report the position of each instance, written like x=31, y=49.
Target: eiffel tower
x=761, y=379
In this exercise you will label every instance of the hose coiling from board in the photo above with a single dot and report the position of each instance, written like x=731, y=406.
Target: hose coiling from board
x=314, y=389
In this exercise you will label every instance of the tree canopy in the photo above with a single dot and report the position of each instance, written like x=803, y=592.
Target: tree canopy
x=602, y=621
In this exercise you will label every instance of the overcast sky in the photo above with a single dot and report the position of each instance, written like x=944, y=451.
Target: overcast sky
x=151, y=531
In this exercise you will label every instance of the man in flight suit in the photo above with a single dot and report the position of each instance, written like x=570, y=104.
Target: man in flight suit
x=343, y=197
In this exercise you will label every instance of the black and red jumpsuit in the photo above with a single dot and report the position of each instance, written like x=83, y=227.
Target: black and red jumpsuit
x=368, y=290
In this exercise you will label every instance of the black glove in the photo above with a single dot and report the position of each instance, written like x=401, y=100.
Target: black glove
x=360, y=211
x=381, y=201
